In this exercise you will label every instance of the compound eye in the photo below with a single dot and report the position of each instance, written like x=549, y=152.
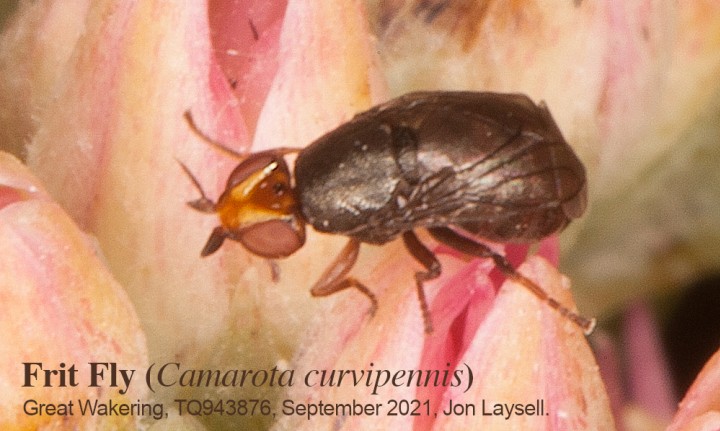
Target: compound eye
x=274, y=238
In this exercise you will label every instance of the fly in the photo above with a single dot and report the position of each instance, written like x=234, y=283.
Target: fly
x=460, y=165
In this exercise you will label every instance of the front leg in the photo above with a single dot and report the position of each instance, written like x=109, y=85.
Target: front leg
x=430, y=262
x=334, y=278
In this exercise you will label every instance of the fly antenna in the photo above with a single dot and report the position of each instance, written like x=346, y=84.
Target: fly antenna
x=217, y=145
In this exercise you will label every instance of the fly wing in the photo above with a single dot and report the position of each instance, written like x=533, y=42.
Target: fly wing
x=532, y=191
x=494, y=164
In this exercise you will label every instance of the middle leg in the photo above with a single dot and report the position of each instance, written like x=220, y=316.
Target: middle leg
x=433, y=270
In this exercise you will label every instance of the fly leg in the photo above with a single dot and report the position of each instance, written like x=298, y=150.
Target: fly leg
x=334, y=278
x=433, y=270
x=474, y=248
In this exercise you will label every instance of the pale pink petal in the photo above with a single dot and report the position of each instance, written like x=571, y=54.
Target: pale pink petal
x=524, y=352
x=327, y=74
x=702, y=400
x=245, y=37
x=709, y=421
x=347, y=338
x=461, y=305
x=110, y=132
x=36, y=42
x=60, y=306
x=515, y=334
